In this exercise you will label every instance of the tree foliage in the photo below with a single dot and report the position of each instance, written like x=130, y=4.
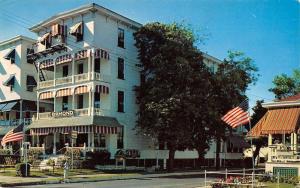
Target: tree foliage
x=285, y=86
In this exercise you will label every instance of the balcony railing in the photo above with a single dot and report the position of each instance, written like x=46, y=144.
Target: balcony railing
x=64, y=80
x=82, y=112
x=77, y=79
x=15, y=122
x=81, y=77
x=46, y=84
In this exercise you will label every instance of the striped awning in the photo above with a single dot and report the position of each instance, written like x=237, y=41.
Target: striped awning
x=256, y=130
x=46, y=63
x=79, y=129
x=64, y=92
x=100, y=53
x=102, y=89
x=81, y=54
x=280, y=121
x=66, y=58
x=46, y=95
x=81, y=89
x=45, y=37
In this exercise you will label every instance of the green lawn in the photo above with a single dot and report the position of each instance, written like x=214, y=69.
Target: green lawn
x=281, y=185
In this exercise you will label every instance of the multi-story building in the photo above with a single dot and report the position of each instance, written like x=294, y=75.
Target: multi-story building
x=18, y=83
x=87, y=68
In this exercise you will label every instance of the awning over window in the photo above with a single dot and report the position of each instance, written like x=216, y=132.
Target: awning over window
x=102, y=89
x=11, y=55
x=31, y=81
x=9, y=106
x=280, y=121
x=81, y=89
x=44, y=38
x=76, y=29
x=10, y=81
x=46, y=95
x=88, y=124
x=64, y=92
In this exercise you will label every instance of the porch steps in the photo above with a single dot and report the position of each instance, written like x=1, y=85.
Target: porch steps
x=59, y=159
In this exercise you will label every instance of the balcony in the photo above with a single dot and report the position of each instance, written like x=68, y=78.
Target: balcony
x=78, y=113
x=74, y=79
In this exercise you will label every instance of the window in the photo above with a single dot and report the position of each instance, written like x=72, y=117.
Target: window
x=97, y=100
x=80, y=68
x=121, y=68
x=97, y=65
x=65, y=103
x=120, y=101
x=65, y=71
x=99, y=140
x=120, y=37
x=120, y=143
x=80, y=102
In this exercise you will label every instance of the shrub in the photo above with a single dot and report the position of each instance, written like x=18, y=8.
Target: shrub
x=51, y=163
x=4, y=152
x=76, y=153
x=97, y=157
x=21, y=169
x=34, y=153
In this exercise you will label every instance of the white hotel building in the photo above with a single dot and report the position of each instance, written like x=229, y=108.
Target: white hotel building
x=87, y=70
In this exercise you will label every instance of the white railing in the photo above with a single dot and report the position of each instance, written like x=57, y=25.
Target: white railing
x=15, y=122
x=44, y=115
x=46, y=84
x=97, y=76
x=64, y=80
x=82, y=112
x=81, y=77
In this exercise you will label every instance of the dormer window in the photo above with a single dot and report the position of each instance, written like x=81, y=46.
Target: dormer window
x=46, y=40
x=11, y=55
x=77, y=31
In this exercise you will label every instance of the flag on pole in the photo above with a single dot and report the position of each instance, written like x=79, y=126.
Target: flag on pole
x=13, y=135
x=238, y=116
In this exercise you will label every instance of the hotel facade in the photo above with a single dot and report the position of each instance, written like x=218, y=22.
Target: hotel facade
x=87, y=68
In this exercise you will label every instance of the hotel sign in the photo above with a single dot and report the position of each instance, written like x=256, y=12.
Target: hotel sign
x=62, y=114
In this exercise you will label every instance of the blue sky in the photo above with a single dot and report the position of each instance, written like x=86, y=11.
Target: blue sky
x=267, y=31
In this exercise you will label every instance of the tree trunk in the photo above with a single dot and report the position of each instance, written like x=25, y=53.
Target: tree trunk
x=171, y=159
x=257, y=149
x=201, y=155
x=218, y=145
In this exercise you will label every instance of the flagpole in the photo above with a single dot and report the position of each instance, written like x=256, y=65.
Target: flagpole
x=251, y=143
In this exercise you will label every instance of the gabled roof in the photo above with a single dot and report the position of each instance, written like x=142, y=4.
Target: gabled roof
x=286, y=102
x=16, y=38
x=84, y=9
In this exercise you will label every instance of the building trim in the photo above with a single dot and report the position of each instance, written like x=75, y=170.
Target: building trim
x=209, y=57
x=281, y=104
x=15, y=39
x=91, y=7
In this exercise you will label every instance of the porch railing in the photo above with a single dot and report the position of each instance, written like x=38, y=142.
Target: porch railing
x=16, y=122
x=82, y=112
x=46, y=84
x=64, y=80
x=81, y=77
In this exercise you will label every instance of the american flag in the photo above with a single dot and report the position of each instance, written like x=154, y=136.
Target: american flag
x=13, y=135
x=237, y=116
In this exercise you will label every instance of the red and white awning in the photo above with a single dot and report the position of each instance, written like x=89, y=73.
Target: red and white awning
x=46, y=95
x=102, y=89
x=64, y=92
x=46, y=63
x=81, y=54
x=79, y=129
x=64, y=59
x=81, y=89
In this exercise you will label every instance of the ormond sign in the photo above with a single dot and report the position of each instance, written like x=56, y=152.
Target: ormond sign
x=62, y=114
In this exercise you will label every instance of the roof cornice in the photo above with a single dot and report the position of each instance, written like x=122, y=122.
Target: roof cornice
x=280, y=104
x=83, y=9
x=15, y=39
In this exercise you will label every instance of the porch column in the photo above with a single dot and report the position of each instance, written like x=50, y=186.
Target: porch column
x=32, y=141
x=111, y=144
x=283, y=139
x=93, y=63
x=73, y=68
x=37, y=105
x=269, y=149
x=89, y=67
x=54, y=143
x=21, y=110
x=54, y=72
x=93, y=141
x=73, y=100
x=295, y=142
x=92, y=103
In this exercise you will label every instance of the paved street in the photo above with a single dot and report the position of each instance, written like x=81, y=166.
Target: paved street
x=165, y=182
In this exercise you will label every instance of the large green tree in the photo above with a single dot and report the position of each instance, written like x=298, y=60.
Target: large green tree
x=230, y=84
x=176, y=84
x=285, y=86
